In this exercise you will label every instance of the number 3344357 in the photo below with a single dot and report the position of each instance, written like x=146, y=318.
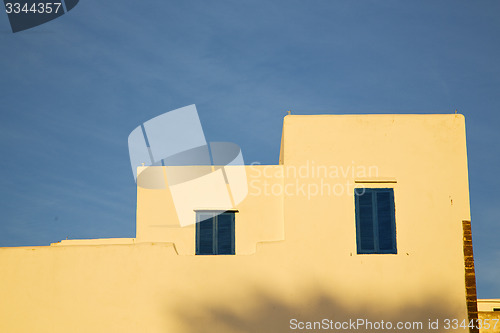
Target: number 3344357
x=36, y=8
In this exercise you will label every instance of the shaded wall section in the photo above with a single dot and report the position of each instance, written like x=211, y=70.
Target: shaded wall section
x=149, y=288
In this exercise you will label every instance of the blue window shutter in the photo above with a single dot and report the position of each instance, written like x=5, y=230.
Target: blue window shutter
x=375, y=220
x=385, y=221
x=225, y=233
x=364, y=221
x=215, y=233
x=205, y=234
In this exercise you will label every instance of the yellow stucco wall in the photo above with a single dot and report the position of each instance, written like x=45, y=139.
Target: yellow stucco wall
x=295, y=246
x=489, y=315
x=490, y=321
x=259, y=217
x=488, y=305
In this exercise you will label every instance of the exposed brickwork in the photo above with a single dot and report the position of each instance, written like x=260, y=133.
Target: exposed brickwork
x=470, y=275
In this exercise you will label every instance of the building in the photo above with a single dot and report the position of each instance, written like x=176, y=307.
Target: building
x=488, y=305
x=365, y=221
x=489, y=315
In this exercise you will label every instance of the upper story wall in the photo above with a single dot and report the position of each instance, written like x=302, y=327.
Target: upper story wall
x=258, y=218
x=426, y=151
x=422, y=157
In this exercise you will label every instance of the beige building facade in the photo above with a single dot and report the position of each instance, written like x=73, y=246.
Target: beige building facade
x=489, y=315
x=362, y=221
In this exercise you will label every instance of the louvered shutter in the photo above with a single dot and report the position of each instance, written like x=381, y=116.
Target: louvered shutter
x=205, y=234
x=225, y=233
x=385, y=221
x=375, y=220
x=364, y=217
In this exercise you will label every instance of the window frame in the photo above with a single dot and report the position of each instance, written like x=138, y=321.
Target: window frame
x=214, y=215
x=376, y=237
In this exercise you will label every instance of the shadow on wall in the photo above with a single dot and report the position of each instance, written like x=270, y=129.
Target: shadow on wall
x=264, y=312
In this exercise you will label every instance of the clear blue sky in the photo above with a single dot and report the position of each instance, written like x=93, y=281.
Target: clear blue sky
x=74, y=88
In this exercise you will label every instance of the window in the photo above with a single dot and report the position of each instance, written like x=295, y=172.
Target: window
x=375, y=220
x=214, y=233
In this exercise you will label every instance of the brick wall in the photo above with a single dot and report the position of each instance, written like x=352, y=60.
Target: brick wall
x=470, y=275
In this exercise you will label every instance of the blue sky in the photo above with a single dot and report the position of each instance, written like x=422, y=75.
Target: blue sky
x=74, y=88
